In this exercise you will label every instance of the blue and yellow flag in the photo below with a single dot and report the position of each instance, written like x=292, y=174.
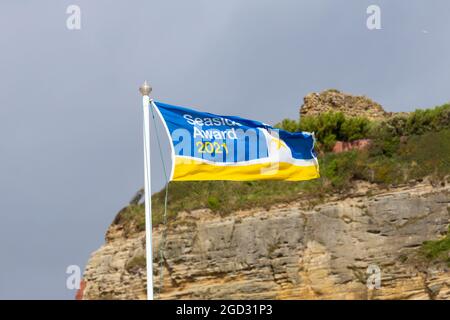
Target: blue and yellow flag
x=206, y=146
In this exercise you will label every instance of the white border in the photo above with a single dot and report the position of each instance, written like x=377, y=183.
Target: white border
x=172, y=156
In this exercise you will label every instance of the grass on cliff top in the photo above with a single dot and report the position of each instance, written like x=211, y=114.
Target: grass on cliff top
x=391, y=160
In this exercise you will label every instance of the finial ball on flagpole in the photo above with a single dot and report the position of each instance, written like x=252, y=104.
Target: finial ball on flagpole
x=145, y=89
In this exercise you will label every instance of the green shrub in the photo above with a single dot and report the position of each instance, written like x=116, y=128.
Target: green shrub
x=329, y=127
x=437, y=250
x=339, y=169
x=288, y=125
x=428, y=154
x=354, y=129
x=213, y=203
x=415, y=123
x=136, y=263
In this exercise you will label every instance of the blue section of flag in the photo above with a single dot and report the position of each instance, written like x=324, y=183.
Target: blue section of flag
x=221, y=134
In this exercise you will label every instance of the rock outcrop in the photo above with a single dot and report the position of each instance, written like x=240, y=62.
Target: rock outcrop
x=292, y=251
x=336, y=101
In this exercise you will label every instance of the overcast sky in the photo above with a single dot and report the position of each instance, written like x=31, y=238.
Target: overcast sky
x=70, y=110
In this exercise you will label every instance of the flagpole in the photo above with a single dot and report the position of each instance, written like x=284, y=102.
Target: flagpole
x=145, y=90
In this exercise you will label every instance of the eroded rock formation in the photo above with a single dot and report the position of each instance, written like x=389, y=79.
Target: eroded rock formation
x=292, y=251
x=336, y=101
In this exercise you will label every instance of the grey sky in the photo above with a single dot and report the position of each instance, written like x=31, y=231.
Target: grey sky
x=70, y=113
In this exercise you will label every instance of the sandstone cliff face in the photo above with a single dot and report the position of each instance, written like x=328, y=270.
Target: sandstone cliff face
x=292, y=251
x=336, y=101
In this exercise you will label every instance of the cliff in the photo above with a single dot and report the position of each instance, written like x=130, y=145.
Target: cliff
x=336, y=101
x=291, y=251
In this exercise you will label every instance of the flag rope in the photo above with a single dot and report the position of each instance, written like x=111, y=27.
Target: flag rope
x=163, y=235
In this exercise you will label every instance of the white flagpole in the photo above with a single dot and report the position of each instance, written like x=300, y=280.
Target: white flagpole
x=145, y=90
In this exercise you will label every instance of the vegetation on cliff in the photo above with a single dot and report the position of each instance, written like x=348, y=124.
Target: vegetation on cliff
x=404, y=149
x=330, y=127
x=438, y=250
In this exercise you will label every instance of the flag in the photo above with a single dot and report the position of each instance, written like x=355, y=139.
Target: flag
x=207, y=146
